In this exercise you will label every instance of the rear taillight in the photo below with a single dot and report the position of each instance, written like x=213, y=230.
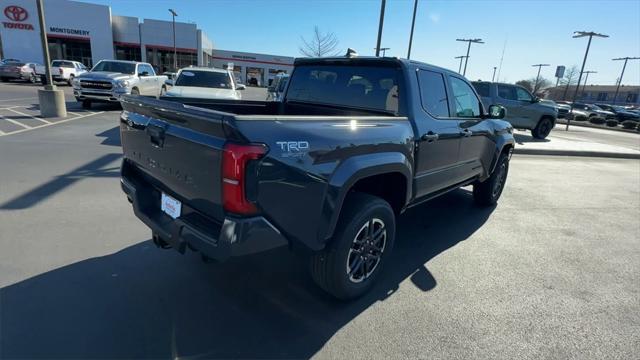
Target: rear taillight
x=235, y=158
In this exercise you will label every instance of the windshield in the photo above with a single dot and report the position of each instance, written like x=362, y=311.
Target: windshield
x=205, y=79
x=365, y=87
x=115, y=66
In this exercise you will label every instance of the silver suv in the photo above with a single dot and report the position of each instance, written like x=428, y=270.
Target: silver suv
x=524, y=111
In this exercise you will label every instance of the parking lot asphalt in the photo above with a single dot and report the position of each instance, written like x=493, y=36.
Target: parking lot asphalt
x=551, y=272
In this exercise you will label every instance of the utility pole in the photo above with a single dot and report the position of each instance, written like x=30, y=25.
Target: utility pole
x=579, y=34
x=413, y=23
x=384, y=50
x=615, y=97
x=535, y=85
x=586, y=78
x=494, y=74
x=460, y=66
x=382, y=5
x=175, y=53
x=50, y=99
x=477, y=41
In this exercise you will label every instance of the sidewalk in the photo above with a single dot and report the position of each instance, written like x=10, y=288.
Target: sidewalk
x=579, y=142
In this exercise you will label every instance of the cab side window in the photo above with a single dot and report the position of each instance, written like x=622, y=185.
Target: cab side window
x=507, y=92
x=433, y=93
x=523, y=95
x=465, y=100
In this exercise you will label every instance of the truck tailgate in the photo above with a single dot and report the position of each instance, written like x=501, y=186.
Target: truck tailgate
x=177, y=150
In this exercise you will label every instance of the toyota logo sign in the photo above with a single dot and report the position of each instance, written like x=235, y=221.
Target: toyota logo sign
x=16, y=13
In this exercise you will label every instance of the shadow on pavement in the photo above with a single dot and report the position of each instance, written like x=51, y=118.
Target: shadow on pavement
x=111, y=136
x=146, y=302
x=94, y=168
x=521, y=139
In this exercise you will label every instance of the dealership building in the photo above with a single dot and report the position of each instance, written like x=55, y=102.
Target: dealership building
x=89, y=33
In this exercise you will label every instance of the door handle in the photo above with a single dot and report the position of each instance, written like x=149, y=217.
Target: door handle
x=430, y=137
x=466, y=132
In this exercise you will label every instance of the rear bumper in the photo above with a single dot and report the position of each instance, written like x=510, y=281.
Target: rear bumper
x=234, y=237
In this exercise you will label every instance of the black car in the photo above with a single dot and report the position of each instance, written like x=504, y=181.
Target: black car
x=326, y=171
x=622, y=114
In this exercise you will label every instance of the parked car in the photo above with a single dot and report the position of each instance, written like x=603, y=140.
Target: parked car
x=110, y=79
x=593, y=110
x=524, y=111
x=563, y=110
x=355, y=142
x=275, y=91
x=204, y=83
x=27, y=71
x=621, y=113
x=66, y=70
x=8, y=60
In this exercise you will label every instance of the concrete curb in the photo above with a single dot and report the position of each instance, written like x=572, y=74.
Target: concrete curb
x=602, y=154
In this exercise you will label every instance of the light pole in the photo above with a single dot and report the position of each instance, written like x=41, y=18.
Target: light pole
x=477, y=41
x=586, y=78
x=460, y=66
x=175, y=53
x=615, y=97
x=494, y=73
x=413, y=23
x=50, y=99
x=384, y=50
x=382, y=4
x=579, y=34
x=535, y=85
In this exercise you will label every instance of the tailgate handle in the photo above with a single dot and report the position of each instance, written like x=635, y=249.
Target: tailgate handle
x=156, y=134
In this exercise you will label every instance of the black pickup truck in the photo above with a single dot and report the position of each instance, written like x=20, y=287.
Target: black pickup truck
x=355, y=142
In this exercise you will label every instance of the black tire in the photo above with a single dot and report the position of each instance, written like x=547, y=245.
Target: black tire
x=70, y=81
x=329, y=267
x=163, y=91
x=86, y=104
x=33, y=78
x=135, y=91
x=543, y=128
x=488, y=192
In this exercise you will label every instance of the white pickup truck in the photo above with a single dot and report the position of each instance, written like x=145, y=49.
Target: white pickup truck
x=66, y=70
x=110, y=79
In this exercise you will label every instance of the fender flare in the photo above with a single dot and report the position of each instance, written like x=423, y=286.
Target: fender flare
x=501, y=143
x=349, y=173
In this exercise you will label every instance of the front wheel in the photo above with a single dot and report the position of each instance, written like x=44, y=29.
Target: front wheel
x=488, y=192
x=135, y=91
x=33, y=78
x=352, y=261
x=543, y=128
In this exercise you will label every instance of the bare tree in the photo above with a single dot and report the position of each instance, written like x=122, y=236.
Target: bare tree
x=570, y=78
x=320, y=44
x=533, y=86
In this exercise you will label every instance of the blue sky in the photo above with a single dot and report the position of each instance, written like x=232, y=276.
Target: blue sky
x=534, y=31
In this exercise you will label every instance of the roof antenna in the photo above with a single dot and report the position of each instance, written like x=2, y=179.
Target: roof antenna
x=351, y=53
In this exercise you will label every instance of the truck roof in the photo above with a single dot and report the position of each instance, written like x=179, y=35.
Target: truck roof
x=371, y=60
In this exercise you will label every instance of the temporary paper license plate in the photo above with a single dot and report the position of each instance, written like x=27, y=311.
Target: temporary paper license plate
x=170, y=206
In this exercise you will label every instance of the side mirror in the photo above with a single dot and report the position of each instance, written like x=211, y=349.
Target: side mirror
x=497, y=112
x=240, y=87
x=168, y=82
x=144, y=73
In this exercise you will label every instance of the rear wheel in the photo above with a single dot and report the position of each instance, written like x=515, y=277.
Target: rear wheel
x=353, y=260
x=86, y=104
x=33, y=78
x=543, y=128
x=488, y=192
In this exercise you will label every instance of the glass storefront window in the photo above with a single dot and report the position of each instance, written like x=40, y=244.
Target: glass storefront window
x=70, y=49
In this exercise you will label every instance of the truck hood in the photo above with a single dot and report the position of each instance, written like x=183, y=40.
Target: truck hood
x=103, y=75
x=203, y=93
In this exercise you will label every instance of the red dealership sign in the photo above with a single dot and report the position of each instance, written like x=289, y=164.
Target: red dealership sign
x=17, y=15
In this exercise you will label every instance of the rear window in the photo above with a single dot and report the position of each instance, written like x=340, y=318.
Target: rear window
x=364, y=87
x=482, y=88
x=64, y=64
x=206, y=79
